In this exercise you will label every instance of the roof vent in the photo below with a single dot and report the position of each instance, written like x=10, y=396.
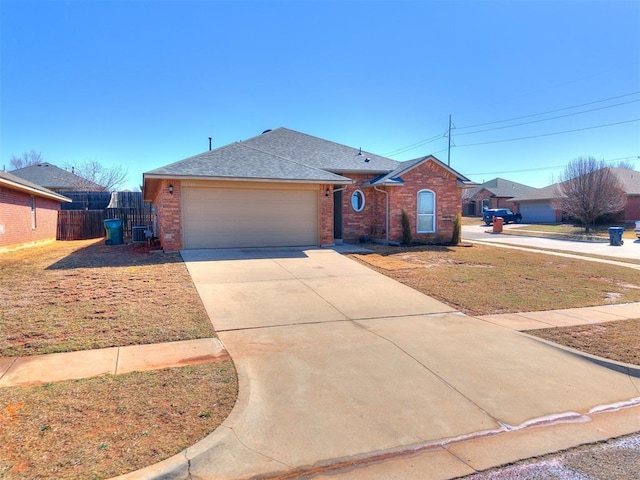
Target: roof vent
x=266, y=131
x=359, y=152
x=367, y=160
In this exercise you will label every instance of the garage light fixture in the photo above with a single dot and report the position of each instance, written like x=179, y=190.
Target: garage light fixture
x=327, y=192
x=170, y=189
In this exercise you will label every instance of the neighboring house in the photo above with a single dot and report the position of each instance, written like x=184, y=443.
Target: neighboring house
x=28, y=212
x=537, y=206
x=496, y=193
x=286, y=188
x=56, y=179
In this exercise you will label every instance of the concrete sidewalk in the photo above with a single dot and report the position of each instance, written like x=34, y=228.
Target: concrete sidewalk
x=344, y=372
x=510, y=238
x=56, y=367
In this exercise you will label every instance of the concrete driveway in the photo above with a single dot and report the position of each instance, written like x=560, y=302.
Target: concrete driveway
x=341, y=366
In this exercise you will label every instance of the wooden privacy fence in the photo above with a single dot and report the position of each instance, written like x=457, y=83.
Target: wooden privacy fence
x=86, y=224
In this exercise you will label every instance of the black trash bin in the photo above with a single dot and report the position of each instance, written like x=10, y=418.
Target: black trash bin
x=113, y=226
x=615, y=236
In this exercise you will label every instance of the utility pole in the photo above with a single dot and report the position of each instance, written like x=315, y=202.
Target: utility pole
x=449, y=149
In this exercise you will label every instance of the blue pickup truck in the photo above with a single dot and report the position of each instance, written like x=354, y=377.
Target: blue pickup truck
x=504, y=213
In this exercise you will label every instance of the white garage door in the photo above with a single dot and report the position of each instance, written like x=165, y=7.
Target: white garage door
x=230, y=217
x=537, y=212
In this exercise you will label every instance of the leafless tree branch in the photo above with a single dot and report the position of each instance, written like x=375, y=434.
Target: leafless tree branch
x=587, y=190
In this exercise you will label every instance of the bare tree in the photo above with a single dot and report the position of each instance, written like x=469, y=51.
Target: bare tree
x=588, y=189
x=27, y=159
x=92, y=175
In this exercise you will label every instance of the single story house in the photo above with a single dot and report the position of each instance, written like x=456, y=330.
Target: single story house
x=496, y=193
x=28, y=212
x=54, y=178
x=286, y=188
x=537, y=206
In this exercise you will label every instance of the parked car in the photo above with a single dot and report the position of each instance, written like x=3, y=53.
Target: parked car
x=637, y=230
x=504, y=213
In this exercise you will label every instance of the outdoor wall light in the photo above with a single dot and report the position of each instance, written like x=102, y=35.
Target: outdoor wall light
x=170, y=189
x=327, y=192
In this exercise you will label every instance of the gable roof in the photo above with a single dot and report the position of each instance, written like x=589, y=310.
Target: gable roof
x=320, y=153
x=502, y=188
x=629, y=179
x=14, y=182
x=242, y=161
x=394, y=177
x=54, y=178
x=285, y=155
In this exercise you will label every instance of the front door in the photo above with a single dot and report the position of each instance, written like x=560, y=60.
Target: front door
x=337, y=215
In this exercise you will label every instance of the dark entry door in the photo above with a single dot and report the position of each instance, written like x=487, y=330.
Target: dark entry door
x=337, y=215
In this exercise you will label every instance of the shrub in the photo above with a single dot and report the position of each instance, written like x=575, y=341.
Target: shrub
x=406, y=229
x=457, y=229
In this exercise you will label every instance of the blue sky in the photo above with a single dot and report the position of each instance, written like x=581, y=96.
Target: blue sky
x=143, y=84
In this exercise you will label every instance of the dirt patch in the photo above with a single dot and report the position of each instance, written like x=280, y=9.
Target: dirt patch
x=83, y=295
x=110, y=425
x=386, y=263
x=617, y=340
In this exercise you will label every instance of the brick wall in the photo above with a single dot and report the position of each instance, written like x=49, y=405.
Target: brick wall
x=169, y=215
x=16, y=226
x=371, y=221
x=427, y=176
x=632, y=209
x=326, y=215
x=494, y=202
x=368, y=222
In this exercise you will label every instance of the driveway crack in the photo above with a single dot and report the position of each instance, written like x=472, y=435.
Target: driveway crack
x=434, y=373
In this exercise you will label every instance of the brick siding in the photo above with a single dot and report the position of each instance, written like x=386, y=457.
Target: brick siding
x=632, y=209
x=16, y=219
x=448, y=198
x=169, y=215
x=494, y=202
x=371, y=221
x=326, y=215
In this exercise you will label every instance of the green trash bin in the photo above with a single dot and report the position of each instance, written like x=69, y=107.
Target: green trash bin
x=113, y=226
x=615, y=236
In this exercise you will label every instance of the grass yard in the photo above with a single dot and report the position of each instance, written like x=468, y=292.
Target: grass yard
x=110, y=425
x=69, y=296
x=480, y=280
x=619, y=341
x=82, y=295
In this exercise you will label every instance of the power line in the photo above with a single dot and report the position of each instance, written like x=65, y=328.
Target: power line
x=547, y=168
x=437, y=137
x=414, y=145
x=549, y=111
x=550, y=118
x=549, y=134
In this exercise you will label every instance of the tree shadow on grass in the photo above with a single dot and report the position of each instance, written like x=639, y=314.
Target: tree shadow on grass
x=99, y=255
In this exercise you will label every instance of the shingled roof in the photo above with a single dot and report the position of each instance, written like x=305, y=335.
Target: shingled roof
x=502, y=188
x=12, y=181
x=629, y=179
x=54, y=178
x=287, y=156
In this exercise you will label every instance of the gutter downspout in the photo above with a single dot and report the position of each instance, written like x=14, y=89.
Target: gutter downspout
x=386, y=202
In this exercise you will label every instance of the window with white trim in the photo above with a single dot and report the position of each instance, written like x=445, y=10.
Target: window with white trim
x=33, y=212
x=426, y=211
x=357, y=200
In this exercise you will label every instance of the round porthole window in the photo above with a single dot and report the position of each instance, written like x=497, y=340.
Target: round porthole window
x=357, y=200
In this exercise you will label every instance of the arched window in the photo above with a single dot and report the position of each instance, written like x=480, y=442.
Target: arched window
x=357, y=200
x=426, y=211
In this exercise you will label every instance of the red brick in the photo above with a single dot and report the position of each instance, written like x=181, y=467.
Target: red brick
x=16, y=221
